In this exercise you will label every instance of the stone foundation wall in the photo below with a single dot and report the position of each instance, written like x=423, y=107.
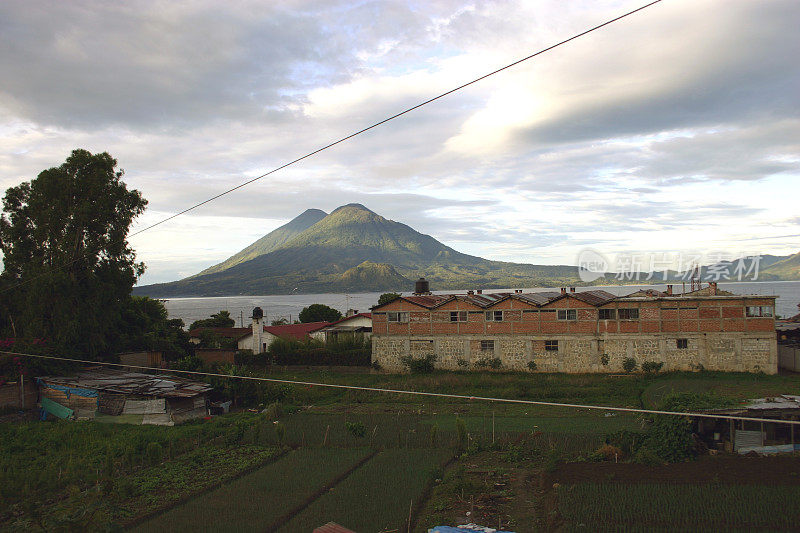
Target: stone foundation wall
x=729, y=352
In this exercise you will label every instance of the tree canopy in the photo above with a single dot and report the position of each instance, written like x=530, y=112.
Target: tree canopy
x=145, y=325
x=218, y=320
x=319, y=313
x=68, y=268
x=387, y=297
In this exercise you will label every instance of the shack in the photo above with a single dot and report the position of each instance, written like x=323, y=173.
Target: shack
x=744, y=436
x=132, y=397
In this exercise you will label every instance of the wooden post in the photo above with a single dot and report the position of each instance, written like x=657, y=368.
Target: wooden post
x=21, y=390
x=762, y=433
x=733, y=436
x=410, y=506
x=492, y=427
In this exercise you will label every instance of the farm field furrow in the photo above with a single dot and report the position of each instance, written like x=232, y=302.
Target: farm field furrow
x=617, y=507
x=256, y=501
x=384, y=489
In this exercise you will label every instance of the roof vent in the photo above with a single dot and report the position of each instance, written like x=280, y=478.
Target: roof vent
x=470, y=293
x=480, y=291
x=572, y=289
x=563, y=290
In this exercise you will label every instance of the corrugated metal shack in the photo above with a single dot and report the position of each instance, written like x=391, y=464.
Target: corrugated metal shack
x=131, y=397
x=743, y=436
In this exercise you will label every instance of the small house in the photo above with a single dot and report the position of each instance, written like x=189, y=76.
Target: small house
x=136, y=398
x=355, y=324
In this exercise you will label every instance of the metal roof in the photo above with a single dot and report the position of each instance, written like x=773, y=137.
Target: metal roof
x=108, y=380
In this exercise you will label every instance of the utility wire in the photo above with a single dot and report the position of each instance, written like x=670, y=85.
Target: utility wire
x=388, y=119
x=420, y=393
x=350, y=136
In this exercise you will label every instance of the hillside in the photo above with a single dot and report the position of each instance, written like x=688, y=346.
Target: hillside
x=353, y=249
x=786, y=269
x=271, y=240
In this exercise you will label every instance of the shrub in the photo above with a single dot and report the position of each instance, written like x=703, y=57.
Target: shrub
x=419, y=365
x=604, y=359
x=154, y=453
x=272, y=411
x=434, y=432
x=280, y=432
x=356, y=429
x=462, y=363
x=629, y=364
x=489, y=362
x=532, y=365
x=626, y=440
x=607, y=452
x=461, y=429
x=646, y=456
x=190, y=362
x=651, y=367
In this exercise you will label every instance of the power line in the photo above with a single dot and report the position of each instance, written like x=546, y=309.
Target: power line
x=421, y=393
x=397, y=115
x=350, y=136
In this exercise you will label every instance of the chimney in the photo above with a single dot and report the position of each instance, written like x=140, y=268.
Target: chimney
x=480, y=291
x=572, y=289
x=351, y=312
x=258, y=330
x=712, y=288
x=669, y=290
x=563, y=290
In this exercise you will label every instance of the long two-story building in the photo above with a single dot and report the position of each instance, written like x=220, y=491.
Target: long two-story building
x=579, y=331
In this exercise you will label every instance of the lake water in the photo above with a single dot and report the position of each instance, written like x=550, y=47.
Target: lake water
x=289, y=306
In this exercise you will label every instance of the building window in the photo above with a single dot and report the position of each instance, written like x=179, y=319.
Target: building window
x=551, y=346
x=682, y=344
x=401, y=316
x=629, y=314
x=608, y=314
x=494, y=316
x=458, y=316
x=487, y=346
x=759, y=310
x=567, y=314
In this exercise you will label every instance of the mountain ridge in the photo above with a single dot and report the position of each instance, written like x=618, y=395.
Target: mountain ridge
x=354, y=248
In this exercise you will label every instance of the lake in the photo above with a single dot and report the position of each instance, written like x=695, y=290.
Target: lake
x=290, y=305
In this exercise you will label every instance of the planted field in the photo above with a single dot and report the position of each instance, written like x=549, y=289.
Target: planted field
x=607, y=506
x=258, y=500
x=377, y=496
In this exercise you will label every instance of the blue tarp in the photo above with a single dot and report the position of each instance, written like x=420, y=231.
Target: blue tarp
x=86, y=393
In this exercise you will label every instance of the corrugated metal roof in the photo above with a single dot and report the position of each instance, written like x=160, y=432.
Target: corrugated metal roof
x=158, y=385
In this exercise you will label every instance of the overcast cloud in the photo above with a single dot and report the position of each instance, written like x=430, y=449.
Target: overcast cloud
x=673, y=130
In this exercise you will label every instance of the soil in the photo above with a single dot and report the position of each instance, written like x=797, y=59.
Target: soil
x=777, y=470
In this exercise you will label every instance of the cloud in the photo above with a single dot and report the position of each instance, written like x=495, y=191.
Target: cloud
x=681, y=117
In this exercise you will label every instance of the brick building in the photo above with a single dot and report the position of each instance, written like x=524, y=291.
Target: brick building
x=579, y=331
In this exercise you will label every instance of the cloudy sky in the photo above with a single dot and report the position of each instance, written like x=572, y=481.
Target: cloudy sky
x=674, y=130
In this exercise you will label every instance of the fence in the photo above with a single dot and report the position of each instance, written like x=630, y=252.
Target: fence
x=14, y=395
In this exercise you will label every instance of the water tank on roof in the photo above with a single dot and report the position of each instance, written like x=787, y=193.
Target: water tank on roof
x=422, y=287
x=258, y=313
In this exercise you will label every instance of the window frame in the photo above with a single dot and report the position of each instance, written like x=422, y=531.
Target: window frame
x=458, y=316
x=760, y=310
x=628, y=312
x=487, y=345
x=566, y=314
x=400, y=317
x=551, y=345
x=610, y=310
x=491, y=316
x=681, y=344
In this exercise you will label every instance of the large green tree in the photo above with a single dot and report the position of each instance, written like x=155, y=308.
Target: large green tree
x=68, y=268
x=319, y=313
x=145, y=325
x=218, y=320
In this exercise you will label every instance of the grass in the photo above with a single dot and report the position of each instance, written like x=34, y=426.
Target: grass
x=377, y=496
x=598, y=506
x=259, y=499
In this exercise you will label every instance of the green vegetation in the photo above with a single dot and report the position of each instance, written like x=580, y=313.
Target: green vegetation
x=52, y=469
x=217, y=320
x=65, y=254
x=319, y=313
x=377, y=496
x=388, y=297
x=255, y=502
x=648, y=507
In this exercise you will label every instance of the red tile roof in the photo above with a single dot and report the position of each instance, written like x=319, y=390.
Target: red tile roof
x=295, y=331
